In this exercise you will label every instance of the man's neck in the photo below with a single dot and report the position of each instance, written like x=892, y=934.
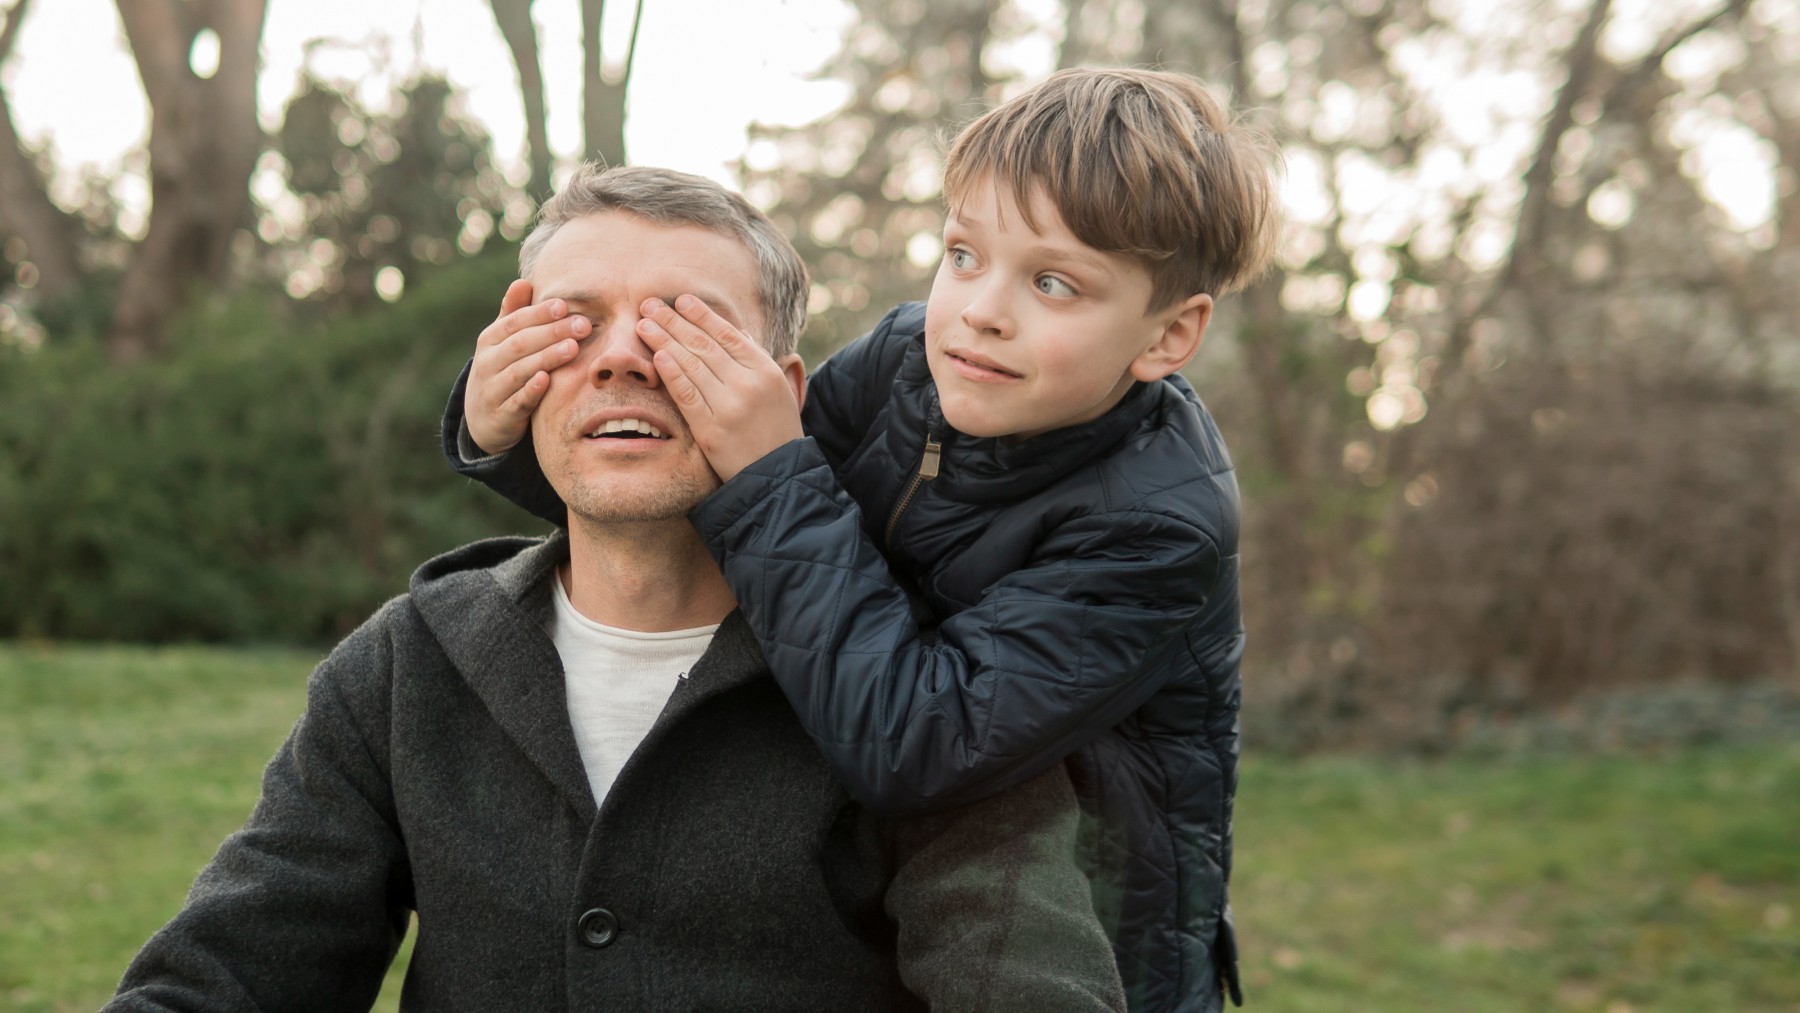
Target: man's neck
x=650, y=577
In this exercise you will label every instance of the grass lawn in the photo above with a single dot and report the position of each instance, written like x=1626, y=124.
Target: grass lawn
x=1572, y=883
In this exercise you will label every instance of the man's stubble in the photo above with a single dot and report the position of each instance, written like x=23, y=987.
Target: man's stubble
x=679, y=490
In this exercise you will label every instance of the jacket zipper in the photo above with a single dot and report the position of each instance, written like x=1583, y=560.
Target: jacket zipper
x=928, y=470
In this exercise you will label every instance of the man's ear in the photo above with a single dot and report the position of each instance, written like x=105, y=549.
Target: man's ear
x=794, y=369
x=1183, y=328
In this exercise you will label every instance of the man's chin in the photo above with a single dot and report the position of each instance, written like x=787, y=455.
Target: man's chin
x=634, y=506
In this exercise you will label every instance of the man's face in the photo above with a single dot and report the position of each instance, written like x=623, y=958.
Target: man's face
x=648, y=467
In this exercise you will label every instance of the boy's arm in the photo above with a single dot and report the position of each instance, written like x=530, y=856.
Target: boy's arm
x=1051, y=655
x=848, y=389
x=302, y=909
x=513, y=473
x=992, y=911
x=487, y=423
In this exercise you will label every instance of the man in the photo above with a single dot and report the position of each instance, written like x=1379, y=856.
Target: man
x=567, y=757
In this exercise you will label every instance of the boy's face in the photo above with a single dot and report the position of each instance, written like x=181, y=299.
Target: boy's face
x=1030, y=330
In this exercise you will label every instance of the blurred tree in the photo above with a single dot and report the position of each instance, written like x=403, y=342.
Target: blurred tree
x=602, y=96
x=383, y=195
x=516, y=27
x=48, y=237
x=858, y=191
x=198, y=62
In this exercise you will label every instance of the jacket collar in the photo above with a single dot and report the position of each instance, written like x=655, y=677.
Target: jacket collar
x=490, y=621
x=989, y=469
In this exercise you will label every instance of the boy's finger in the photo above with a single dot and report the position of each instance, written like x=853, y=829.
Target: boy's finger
x=525, y=400
x=523, y=370
x=686, y=394
x=736, y=344
x=694, y=339
x=534, y=339
x=517, y=297
x=548, y=311
x=695, y=366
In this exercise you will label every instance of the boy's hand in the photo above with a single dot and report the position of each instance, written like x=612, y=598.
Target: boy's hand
x=513, y=359
x=739, y=402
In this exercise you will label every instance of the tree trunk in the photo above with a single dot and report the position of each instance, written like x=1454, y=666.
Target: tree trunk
x=514, y=19
x=603, y=101
x=204, y=139
x=26, y=211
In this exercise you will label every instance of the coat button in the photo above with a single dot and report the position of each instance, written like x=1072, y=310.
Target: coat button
x=599, y=928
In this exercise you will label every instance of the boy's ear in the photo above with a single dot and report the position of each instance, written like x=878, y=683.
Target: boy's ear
x=793, y=368
x=1183, y=327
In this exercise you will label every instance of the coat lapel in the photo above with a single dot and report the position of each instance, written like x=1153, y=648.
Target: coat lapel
x=491, y=624
x=731, y=660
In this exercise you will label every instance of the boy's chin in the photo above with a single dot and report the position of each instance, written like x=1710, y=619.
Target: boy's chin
x=972, y=420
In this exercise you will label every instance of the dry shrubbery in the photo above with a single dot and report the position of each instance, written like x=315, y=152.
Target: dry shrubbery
x=1587, y=531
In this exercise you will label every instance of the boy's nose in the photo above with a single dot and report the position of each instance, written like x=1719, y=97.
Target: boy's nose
x=988, y=313
x=620, y=355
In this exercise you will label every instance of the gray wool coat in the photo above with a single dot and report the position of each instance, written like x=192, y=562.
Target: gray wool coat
x=435, y=771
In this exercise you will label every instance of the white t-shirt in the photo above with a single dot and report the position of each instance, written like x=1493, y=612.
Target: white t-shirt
x=617, y=682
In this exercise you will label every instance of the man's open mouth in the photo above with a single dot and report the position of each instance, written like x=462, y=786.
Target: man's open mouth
x=627, y=429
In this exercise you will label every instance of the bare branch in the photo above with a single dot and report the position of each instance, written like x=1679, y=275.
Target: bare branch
x=9, y=33
x=637, y=21
x=1583, y=58
x=51, y=234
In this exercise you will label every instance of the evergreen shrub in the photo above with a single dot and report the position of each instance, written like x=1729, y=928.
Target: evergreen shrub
x=274, y=475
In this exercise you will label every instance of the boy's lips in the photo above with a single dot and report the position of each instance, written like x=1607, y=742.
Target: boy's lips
x=979, y=367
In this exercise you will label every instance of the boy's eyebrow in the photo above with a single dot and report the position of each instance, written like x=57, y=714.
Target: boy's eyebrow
x=1081, y=257
x=1084, y=256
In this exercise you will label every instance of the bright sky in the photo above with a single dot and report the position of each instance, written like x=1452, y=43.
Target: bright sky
x=705, y=69
x=72, y=80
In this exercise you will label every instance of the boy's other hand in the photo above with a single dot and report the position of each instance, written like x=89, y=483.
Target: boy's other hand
x=738, y=401
x=513, y=359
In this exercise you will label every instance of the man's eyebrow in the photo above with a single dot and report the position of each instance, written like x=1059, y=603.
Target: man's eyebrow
x=572, y=297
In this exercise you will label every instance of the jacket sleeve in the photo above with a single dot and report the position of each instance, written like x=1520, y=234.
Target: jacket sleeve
x=305, y=907
x=847, y=390
x=993, y=913
x=1051, y=655
x=513, y=473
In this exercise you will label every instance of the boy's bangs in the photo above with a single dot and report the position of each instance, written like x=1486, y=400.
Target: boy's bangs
x=1146, y=165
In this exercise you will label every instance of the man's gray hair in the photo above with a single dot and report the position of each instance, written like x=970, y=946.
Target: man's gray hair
x=678, y=198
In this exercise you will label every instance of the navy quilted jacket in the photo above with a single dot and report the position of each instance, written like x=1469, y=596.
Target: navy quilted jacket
x=950, y=615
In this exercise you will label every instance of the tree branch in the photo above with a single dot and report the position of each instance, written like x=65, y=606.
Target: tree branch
x=637, y=21
x=1583, y=56
x=9, y=34
x=51, y=234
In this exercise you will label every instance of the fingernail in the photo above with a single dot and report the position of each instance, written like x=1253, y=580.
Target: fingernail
x=685, y=302
x=558, y=307
x=652, y=305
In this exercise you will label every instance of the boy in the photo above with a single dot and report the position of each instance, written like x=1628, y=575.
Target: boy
x=1003, y=530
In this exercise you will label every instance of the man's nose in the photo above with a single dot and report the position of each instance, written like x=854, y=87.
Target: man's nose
x=620, y=355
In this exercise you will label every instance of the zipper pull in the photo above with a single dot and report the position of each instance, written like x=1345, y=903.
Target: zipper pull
x=928, y=465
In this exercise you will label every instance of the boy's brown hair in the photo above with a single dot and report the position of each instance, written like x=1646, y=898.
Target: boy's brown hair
x=1140, y=162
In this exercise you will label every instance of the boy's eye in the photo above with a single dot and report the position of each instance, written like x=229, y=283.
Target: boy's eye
x=1051, y=285
x=961, y=259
